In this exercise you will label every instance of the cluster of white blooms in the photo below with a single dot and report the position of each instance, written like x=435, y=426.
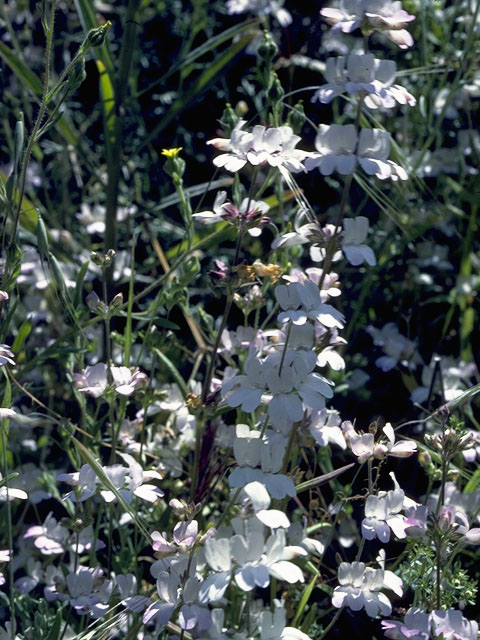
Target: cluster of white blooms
x=274, y=146
x=278, y=381
x=94, y=380
x=418, y=625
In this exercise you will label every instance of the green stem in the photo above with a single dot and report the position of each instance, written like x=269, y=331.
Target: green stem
x=40, y=116
x=333, y=622
x=114, y=146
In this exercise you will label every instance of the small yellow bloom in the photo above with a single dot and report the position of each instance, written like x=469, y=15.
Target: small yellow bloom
x=171, y=153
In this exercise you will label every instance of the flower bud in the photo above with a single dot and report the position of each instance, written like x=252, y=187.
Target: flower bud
x=296, y=117
x=229, y=119
x=241, y=108
x=174, y=165
x=96, y=37
x=446, y=519
x=116, y=302
x=77, y=75
x=276, y=92
x=109, y=256
x=424, y=459
x=267, y=49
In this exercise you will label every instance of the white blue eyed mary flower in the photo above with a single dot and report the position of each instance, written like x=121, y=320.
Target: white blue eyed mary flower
x=272, y=146
x=363, y=73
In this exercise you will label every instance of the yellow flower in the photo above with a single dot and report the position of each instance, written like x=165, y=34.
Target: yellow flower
x=171, y=153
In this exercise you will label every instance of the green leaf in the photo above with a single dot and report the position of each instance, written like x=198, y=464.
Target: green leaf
x=22, y=335
x=79, y=284
x=307, y=592
x=173, y=371
x=185, y=64
x=474, y=482
x=20, y=69
x=54, y=631
x=197, y=87
x=108, y=106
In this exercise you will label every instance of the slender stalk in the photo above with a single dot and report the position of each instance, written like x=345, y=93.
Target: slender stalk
x=114, y=146
x=39, y=118
x=333, y=622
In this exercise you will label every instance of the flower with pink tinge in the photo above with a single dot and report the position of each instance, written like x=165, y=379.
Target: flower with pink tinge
x=450, y=624
x=400, y=449
x=51, y=538
x=92, y=380
x=127, y=381
x=416, y=521
x=185, y=535
x=250, y=214
x=416, y=626
x=384, y=15
x=361, y=444
x=274, y=146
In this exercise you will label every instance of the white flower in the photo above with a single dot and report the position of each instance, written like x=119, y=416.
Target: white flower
x=336, y=146
x=354, y=234
x=372, y=152
x=397, y=348
x=11, y=493
x=384, y=15
x=382, y=513
x=250, y=451
x=258, y=561
x=92, y=380
x=6, y=355
x=359, y=587
x=363, y=73
x=302, y=301
x=339, y=148
x=324, y=427
x=418, y=625
x=272, y=626
x=274, y=146
x=127, y=381
x=261, y=8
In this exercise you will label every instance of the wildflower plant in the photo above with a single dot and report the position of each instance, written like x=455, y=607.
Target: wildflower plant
x=184, y=450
